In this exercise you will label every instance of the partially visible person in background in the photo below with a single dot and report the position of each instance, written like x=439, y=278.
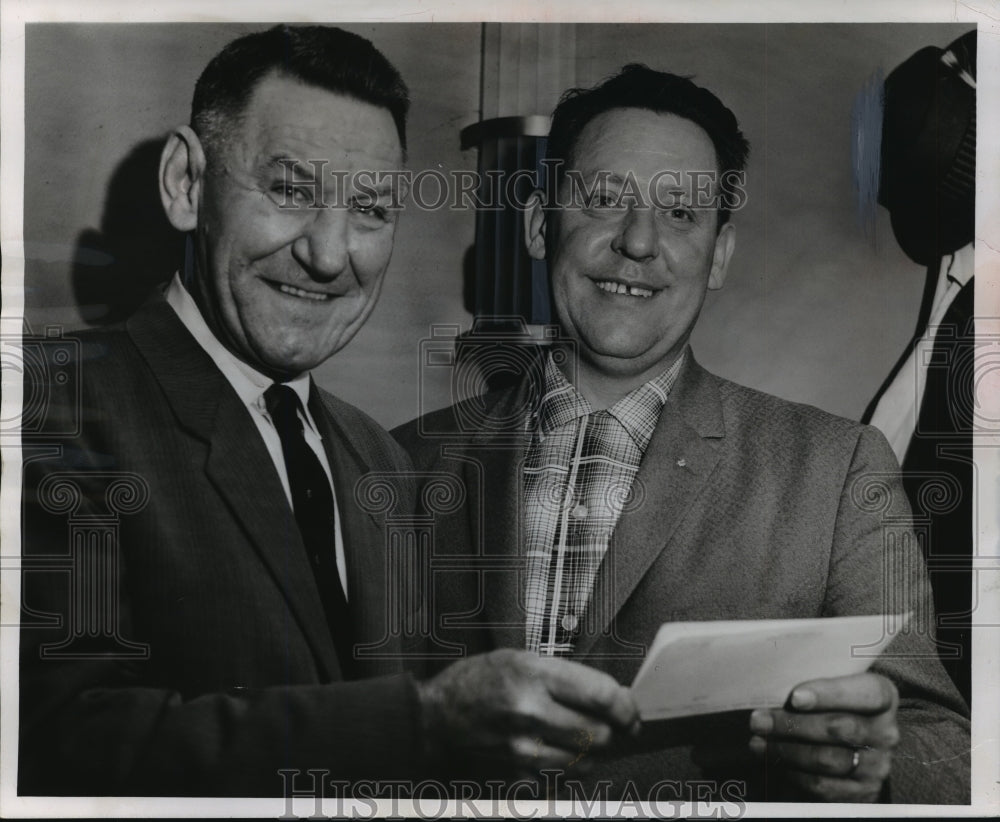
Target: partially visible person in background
x=925, y=406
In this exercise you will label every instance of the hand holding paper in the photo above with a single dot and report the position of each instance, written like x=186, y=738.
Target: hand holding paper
x=511, y=711
x=820, y=717
x=710, y=667
x=835, y=740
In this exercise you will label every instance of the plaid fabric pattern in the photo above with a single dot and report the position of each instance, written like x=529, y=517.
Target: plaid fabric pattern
x=578, y=476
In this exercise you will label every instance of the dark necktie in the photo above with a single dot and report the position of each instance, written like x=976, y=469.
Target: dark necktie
x=315, y=513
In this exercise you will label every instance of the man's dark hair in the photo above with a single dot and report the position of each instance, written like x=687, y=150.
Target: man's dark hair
x=322, y=56
x=638, y=86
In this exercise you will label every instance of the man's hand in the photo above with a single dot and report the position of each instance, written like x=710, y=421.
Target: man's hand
x=835, y=739
x=513, y=711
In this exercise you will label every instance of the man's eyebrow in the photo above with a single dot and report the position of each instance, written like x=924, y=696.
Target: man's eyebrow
x=382, y=188
x=603, y=176
x=298, y=169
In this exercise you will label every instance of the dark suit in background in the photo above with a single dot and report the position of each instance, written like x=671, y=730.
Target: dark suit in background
x=945, y=444
x=939, y=452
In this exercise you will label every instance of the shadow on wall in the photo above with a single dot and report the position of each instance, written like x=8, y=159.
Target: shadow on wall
x=134, y=250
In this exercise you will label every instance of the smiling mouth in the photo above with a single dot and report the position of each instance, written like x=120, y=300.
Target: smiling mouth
x=292, y=291
x=624, y=290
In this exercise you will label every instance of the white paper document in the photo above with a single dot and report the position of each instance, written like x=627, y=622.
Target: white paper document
x=709, y=667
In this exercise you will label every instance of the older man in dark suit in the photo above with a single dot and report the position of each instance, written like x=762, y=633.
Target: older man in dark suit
x=224, y=625
x=623, y=486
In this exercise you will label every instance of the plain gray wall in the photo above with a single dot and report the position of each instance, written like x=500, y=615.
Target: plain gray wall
x=816, y=309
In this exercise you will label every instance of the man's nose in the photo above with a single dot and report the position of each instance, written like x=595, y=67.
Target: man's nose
x=638, y=238
x=322, y=247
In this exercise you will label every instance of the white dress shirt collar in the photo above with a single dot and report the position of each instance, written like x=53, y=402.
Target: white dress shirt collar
x=246, y=380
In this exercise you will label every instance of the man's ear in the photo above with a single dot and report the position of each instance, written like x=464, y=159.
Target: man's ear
x=182, y=169
x=725, y=243
x=534, y=226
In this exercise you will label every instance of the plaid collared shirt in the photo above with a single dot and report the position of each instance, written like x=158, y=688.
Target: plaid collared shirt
x=578, y=476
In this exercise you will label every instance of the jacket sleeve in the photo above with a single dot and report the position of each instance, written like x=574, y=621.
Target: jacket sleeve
x=89, y=728
x=877, y=566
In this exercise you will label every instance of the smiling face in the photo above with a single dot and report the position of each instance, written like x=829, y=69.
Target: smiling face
x=629, y=279
x=284, y=285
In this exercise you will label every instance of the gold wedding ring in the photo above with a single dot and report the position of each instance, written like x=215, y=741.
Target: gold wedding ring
x=855, y=761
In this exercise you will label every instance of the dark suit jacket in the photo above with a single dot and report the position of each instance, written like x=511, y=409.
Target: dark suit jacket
x=937, y=472
x=942, y=445
x=218, y=667
x=744, y=507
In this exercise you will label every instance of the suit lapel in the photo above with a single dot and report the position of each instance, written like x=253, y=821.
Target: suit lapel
x=492, y=474
x=678, y=462
x=238, y=464
x=363, y=535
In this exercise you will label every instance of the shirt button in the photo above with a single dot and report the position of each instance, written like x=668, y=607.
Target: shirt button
x=569, y=622
x=579, y=512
